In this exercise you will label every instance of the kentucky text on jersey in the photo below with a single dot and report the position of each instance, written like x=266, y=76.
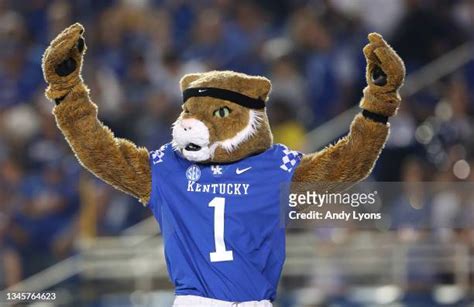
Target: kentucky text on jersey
x=219, y=188
x=221, y=224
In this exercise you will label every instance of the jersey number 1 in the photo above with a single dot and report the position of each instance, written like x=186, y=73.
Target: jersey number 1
x=221, y=253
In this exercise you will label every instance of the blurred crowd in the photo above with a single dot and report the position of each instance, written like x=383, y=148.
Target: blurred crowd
x=139, y=49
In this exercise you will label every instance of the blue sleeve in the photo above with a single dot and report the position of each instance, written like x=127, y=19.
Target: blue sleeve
x=290, y=159
x=157, y=159
x=288, y=162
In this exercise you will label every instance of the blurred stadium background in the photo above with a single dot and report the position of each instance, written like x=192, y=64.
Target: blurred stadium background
x=63, y=230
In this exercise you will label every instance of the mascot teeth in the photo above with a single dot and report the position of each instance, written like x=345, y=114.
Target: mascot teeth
x=192, y=147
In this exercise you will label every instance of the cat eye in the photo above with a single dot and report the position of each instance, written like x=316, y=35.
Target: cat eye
x=222, y=112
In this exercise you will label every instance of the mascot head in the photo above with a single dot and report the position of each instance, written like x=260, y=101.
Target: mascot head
x=223, y=117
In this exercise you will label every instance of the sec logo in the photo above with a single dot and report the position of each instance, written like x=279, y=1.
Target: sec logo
x=193, y=173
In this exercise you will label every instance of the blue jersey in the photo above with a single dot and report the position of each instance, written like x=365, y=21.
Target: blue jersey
x=220, y=223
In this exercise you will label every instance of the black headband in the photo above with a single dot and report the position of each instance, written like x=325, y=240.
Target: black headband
x=223, y=94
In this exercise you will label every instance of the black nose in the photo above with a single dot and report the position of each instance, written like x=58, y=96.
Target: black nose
x=192, y=147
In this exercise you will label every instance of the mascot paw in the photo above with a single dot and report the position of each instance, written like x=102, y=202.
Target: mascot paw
x=384, y=67
x=62, y=61
x=385, y=74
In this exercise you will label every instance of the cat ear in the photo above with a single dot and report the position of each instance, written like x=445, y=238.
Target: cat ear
x=262, y=86
x=187, y=79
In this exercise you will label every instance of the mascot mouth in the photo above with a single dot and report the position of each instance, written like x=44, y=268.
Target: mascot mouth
x=192, y=147
x=191, y=138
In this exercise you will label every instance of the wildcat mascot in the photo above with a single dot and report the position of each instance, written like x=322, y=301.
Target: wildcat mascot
x=215, y=188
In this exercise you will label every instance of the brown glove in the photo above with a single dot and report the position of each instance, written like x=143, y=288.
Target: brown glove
x=385, y=74
x=62, y=62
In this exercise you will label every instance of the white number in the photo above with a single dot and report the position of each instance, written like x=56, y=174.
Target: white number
x=221, y=254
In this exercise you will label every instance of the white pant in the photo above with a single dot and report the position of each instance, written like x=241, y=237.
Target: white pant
x=198, y=301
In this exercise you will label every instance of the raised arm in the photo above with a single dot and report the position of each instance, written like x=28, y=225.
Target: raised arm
x=117, y=161
x=352, y=158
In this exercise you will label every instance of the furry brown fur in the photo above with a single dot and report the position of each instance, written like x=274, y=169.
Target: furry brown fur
x=125, y=166
x=348, y=161
x=383, y=100
x=62, y=47
x=116, y=161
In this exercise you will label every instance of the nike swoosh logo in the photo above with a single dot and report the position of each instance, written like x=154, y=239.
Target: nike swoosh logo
x=201, y=91
x=240, y=171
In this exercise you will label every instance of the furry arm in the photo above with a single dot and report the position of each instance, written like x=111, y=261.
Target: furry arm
x=352, y=158
x=116, y=161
